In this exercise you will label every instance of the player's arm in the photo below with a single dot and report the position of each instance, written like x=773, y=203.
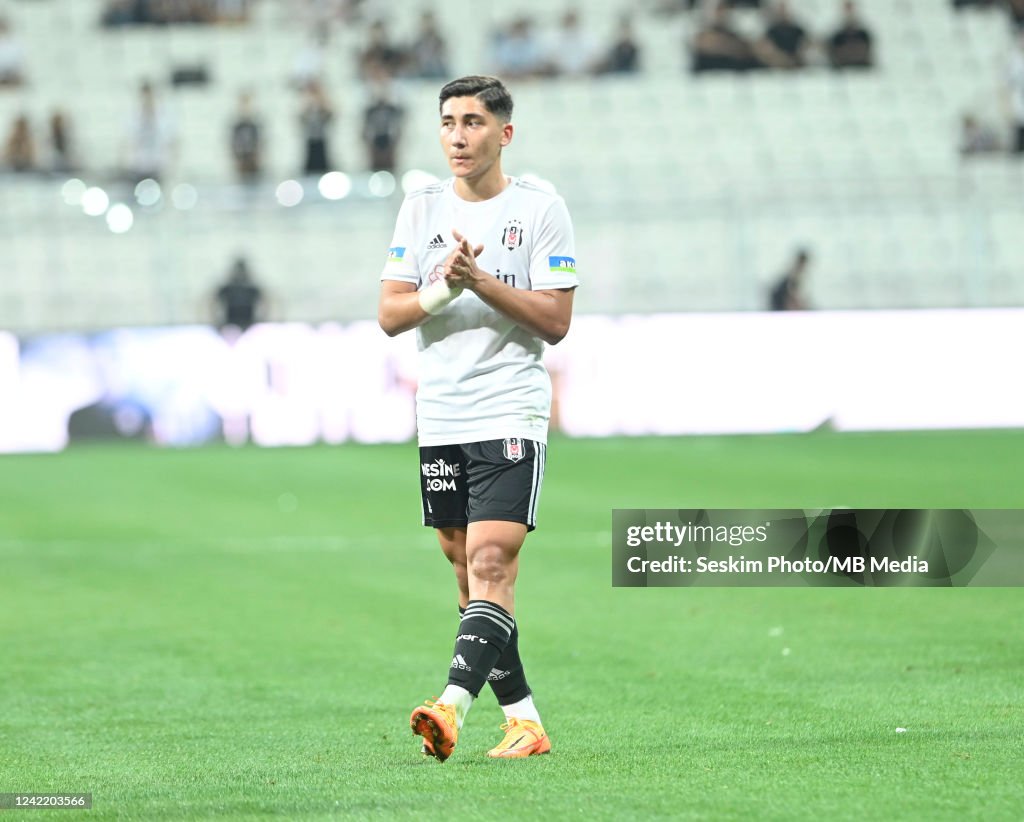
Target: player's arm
x=399, y=308
x=545, y=314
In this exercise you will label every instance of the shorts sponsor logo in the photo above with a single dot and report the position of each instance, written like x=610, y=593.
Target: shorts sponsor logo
x=495, y=675
x=472, y=638
x=460, y=663
x=440, y=475
x=514, y=449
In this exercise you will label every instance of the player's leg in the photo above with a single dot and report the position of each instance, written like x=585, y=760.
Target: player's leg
x=453, y=545
x=484, y=630
x=507, y=678
x=486, y=626
x=492, y=553
x=507, y=477
x=507, y=486
x=486, y=646
x=444, y=490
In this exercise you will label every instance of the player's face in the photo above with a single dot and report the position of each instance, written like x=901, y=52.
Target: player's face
x=472, y=137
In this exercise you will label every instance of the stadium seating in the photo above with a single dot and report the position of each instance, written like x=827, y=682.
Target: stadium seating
x=687, y=193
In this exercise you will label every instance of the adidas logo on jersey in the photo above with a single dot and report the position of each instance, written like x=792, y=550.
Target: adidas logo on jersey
x=437, y=242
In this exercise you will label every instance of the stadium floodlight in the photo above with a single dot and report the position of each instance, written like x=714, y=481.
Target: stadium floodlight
x=184, y=196
x=72, y=191
x=95, y=201
x=382, y=184
x=120, y=218
x=289, y=193
x=335, y=185
x=416, y=178
x=147, y=192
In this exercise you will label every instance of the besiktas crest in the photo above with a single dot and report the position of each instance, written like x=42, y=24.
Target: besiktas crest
x=512, y=236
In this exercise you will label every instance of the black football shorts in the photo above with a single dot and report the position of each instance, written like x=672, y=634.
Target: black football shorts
x=494, y=479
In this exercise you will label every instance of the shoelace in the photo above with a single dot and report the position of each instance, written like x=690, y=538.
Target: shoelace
x=514, y=722
x=442, y=706
x=512, y=725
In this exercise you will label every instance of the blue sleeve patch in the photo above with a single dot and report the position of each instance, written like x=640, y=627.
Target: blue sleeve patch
x=564, y=264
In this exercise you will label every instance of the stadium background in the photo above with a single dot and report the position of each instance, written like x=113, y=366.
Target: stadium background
x=190, y=633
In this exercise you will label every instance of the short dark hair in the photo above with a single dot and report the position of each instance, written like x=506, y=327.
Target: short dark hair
x=488, y=90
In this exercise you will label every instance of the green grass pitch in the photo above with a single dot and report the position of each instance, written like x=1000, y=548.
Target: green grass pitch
x=243, y=633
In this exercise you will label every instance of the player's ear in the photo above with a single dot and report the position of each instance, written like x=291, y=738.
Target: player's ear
x=506, y=134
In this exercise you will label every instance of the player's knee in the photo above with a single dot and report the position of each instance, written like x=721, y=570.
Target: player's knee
x=489, y=564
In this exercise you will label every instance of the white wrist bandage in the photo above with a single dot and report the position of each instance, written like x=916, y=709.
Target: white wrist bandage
x=437, y=295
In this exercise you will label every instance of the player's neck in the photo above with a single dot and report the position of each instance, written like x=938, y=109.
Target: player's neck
x=481, y=188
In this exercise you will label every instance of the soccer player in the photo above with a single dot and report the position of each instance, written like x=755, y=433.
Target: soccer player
x=483, y=266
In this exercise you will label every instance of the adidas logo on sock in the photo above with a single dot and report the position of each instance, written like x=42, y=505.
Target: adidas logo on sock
x=437, y=242
x=460, y=663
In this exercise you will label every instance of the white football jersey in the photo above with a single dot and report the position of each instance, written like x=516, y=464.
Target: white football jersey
x=481, y=375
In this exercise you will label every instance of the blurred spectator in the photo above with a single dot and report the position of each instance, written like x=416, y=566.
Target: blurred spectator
x=247, y=140
x=240, y=302
x=328, y=12
x=309, y=64
x=1015, y=87
x=572, y=51
x=380, y=54
x=787, y=294
x=315, y=119
x=1016, y=9
x=62, y=156
x=785, y=40
x=623, y=57
x=151, y=138
x=976, y=138
x=718, y=46
x=12, y=57
x=382, y=127
x=20, y=146
x=120, y=13
x=232, y=11
x=517, y=52
x=669, y=6
x=850, y=45
x=428, y=52
x=162, y=12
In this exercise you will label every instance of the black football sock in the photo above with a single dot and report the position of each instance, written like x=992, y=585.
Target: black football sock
x=507, y=678
x=483, y=634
